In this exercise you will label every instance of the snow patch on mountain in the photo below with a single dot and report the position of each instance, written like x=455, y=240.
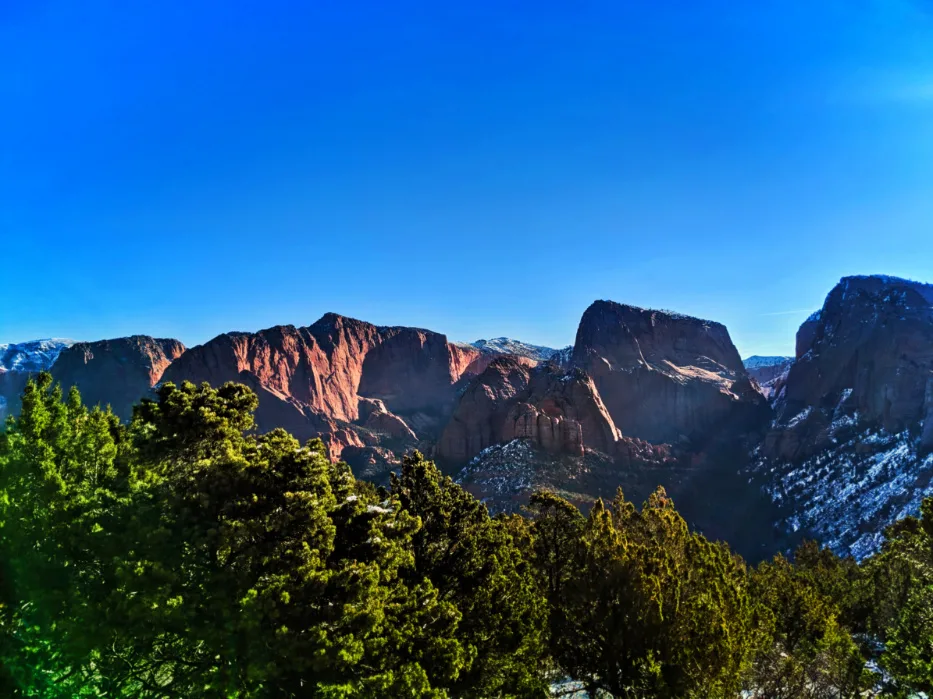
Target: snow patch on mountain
x=769, y=372
x=32, y=357
x=846, y=495
x=506, y=345
x=759, y=362
x=504, y=472
x=924, y=289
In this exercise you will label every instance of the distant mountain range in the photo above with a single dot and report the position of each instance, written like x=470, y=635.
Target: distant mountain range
x=767, y=370
x=834, y=442
x=506, y=345
x=758, y=362
x=38, y=355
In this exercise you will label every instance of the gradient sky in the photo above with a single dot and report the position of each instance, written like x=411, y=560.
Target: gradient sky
x=187, y=167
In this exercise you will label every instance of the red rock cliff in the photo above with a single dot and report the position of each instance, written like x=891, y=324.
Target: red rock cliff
x=665, y=377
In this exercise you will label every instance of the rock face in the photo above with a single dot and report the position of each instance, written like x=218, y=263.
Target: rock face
x=806, y=334
x=514, y=398
x=116, y=372
x=766, y=369
x=338, y=375
x=866, y=356
x=665, y=377
x=849, y=450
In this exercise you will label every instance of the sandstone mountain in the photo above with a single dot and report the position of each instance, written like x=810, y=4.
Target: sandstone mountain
x=867, y=356
x=849, y=449
x=116, y=372
x=840, y=437
x=351, y=382
x=665, y=377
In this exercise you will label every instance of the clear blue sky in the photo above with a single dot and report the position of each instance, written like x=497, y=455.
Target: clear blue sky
x=183, y=168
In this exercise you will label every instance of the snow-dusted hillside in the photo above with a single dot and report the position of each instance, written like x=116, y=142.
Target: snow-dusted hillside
x=845, y=496
x=769, y=372
x=758, y=362
x=506, y=345
x=38, y=355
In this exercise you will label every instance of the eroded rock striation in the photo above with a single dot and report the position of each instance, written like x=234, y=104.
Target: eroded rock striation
x=340, y=378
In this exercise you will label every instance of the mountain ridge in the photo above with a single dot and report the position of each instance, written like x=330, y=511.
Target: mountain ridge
x=643, y=397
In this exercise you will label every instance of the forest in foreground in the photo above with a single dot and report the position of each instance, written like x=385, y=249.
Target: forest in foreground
x=185, y=555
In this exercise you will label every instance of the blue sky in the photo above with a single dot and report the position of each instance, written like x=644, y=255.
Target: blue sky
x=487, y=168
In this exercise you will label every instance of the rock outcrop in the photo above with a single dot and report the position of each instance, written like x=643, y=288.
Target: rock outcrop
x=341, y=379
x=865, y=358
x=514, y=398
x=375, y=417
x=666, y=377
x=849, y=450
x=765, y=370
x=116, y=372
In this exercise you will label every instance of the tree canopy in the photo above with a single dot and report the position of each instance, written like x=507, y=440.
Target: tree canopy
x=186, y=555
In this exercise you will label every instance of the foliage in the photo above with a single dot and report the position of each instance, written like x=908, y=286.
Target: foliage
x=182, y=556
x=186, y=555
x=903, y=615
x=477, y=564
x=803, y=649
x=643, y=606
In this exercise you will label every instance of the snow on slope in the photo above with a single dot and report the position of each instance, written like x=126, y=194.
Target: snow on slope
x=769, y=372
x=506, y=345
x=758, y=362
x=38, y=355
x=845, y=496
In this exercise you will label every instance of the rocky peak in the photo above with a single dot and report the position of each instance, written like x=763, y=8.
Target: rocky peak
x=321, y=373
x=666, y=377
x=867, y=353
x=116, y=372
x=31, y=357
x=849, y=451
x=628, y=337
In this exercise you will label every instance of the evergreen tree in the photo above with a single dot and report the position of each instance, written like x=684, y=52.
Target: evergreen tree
x=648, y=608
x=60, y=480
x=803, y=650
x=477, y=563
x=902, y=575
x=186, y=557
